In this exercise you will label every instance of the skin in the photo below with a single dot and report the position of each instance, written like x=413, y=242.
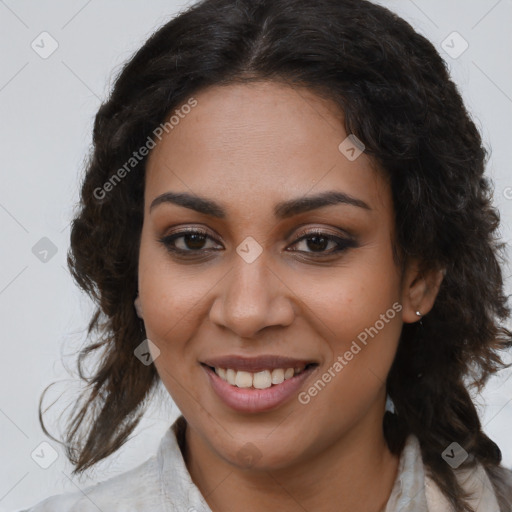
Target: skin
x=248, y=147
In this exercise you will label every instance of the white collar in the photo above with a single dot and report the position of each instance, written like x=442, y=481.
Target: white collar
x=413, y=490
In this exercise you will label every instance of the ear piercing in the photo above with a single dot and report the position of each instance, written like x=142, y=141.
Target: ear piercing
x=419, y=314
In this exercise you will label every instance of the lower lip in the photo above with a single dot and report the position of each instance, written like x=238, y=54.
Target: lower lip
x=256, y=400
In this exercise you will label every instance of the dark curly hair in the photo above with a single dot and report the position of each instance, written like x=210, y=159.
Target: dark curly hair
x=397, y=97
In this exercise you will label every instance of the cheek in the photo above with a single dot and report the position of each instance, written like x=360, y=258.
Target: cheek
x=357, y=311
x=171, y=300
x=170, y=294
x=352, y=299
x=168, y=304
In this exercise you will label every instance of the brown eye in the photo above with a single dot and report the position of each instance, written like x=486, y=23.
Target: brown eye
x=319, y=241
x=193, y=241
x=188, y=241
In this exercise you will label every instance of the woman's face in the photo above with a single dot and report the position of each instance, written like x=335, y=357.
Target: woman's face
x=276, y=278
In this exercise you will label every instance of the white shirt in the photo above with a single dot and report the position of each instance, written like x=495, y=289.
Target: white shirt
x=163, y=484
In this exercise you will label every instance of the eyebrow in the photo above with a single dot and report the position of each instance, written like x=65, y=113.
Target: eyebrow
x=282, y=210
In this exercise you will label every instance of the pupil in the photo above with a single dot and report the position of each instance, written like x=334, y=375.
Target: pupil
x=195, y=238
x=319, y=245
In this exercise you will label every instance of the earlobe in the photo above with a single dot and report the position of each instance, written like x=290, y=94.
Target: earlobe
x=138, y=307
x=419, y=292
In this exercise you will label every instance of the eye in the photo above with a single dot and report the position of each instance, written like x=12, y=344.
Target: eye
x=317, y=242
x=195, y=242
x=188, y=241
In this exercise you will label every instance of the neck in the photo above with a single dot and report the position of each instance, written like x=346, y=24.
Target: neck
x=334, y=480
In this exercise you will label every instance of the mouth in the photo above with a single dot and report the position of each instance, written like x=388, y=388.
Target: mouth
x=257, y=384
x=262, y=379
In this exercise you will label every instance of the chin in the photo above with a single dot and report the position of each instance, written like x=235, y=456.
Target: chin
x=259, y=454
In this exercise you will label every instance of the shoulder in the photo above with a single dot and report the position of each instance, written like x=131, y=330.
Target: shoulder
x=160, y=484
x=136, y=489
x=489, y=490
x=501, y=479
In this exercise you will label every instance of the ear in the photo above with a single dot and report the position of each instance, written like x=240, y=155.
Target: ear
x=138, y=307
x=419, y=290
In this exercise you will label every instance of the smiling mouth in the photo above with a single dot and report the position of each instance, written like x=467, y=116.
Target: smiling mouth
x=263, y=379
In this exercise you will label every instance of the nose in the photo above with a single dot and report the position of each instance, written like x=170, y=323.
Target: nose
x=252, y=297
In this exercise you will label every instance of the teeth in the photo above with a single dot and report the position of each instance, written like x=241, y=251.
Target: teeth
x=259, y=380
x=230, y=376
x=243, y=379
x=289, y=372
x=262, y=380
x=277, y=376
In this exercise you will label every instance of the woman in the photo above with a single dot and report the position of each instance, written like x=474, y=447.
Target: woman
x=286, y=222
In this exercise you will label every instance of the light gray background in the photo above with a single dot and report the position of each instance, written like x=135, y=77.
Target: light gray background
x=46, y=110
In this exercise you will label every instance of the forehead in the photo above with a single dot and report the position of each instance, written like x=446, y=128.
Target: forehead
x=262, y=139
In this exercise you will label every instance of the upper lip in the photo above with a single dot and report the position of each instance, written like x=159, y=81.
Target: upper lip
x=256, y=364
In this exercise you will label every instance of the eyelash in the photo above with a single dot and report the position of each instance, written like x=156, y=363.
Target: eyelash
x=343, y=243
